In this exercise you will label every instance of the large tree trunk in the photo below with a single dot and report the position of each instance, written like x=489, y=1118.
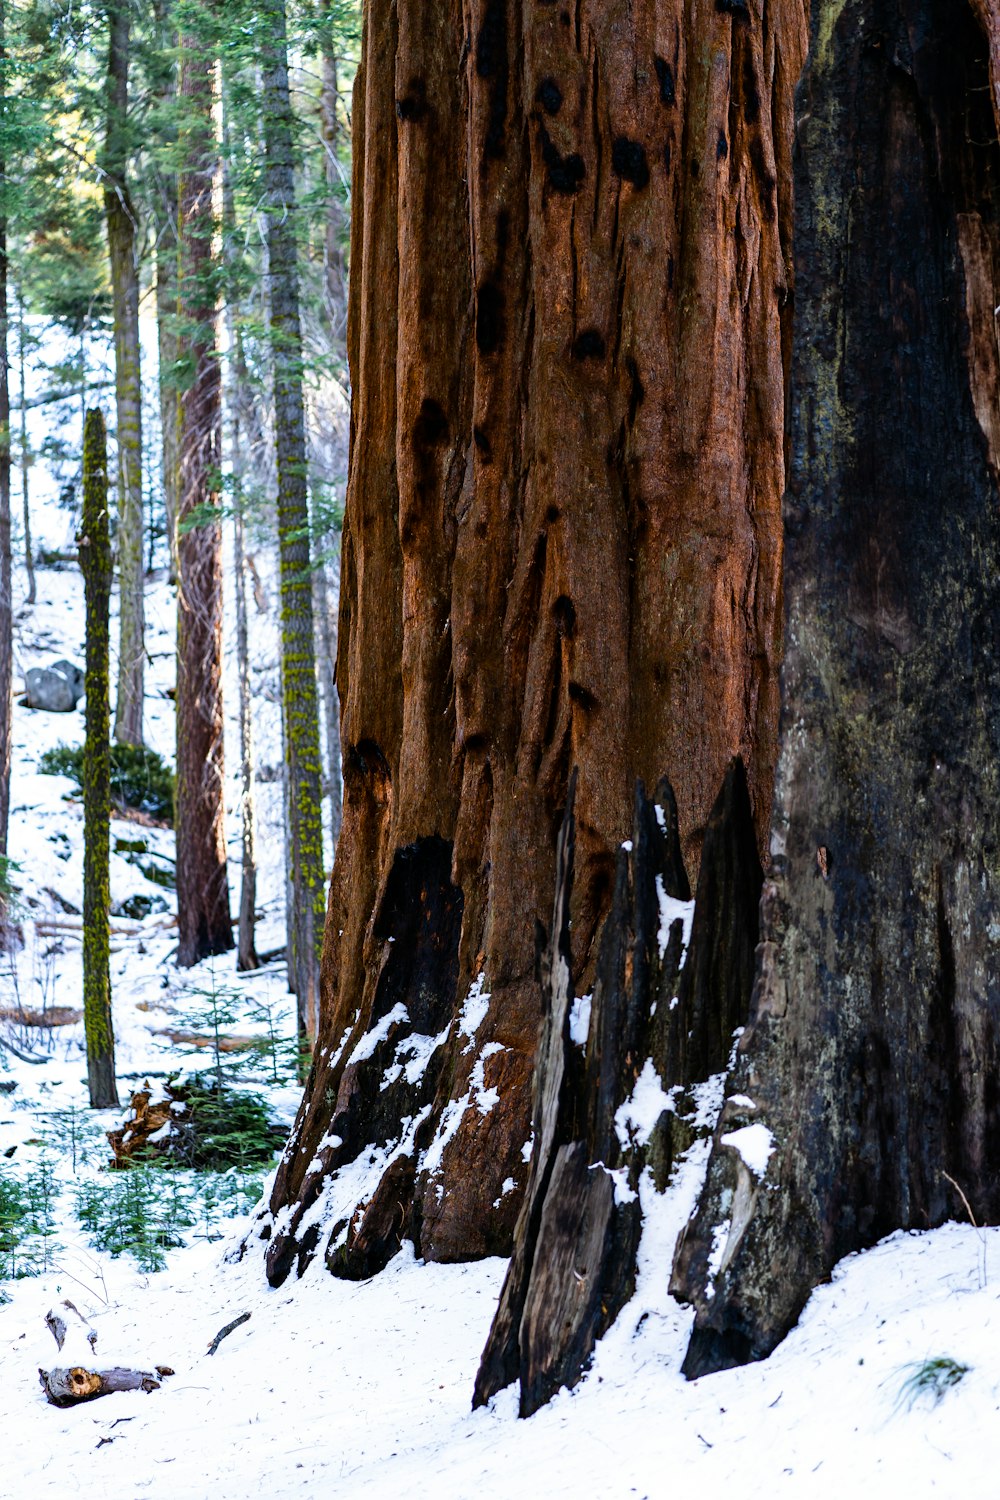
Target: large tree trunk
x=204, y=925
x=96, y=564
x=121, y=222
x=569, y=305
x=874, y=1044
x=298, y=649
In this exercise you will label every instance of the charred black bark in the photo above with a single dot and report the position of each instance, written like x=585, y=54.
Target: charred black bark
x=875, y=1034
x=574, y=1261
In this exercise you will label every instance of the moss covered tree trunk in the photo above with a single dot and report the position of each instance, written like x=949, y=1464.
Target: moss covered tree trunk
x=874, y=1045
x=569, y=311
x=121, y=222
x=95, y=561
x=300, y=708
x=204, y=924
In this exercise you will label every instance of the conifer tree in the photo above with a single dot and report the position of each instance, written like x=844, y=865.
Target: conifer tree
x=121, y=226
x=298, y=653
x=202, y=881
x=95, y=561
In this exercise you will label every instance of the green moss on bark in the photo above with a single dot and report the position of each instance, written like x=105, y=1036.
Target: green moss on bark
x=95, y=561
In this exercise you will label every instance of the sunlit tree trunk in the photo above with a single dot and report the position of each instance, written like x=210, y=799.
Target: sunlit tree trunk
x=121, y=222
x=569, y=312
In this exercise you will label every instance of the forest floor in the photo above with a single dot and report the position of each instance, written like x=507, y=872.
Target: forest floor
x=341, y=1389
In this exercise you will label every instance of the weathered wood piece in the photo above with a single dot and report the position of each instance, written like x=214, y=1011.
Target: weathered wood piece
x=68, y=1319
x=874, y=1043
x=69, y=1386
x=224, y=1333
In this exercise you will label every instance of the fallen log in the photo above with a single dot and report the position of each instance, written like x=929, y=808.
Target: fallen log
x=68, y=1387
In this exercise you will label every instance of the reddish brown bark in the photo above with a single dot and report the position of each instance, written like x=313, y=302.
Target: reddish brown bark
x=569, y=301
x=203, y=919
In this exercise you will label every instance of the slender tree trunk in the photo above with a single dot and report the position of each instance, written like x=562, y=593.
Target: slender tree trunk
x=874, y=1043
x=298, y=652
x=246, y=955
x=202, y=881
x=29, y=561
x=569, y=315
x=166, y=294
x=326, y=656
x=95, y=561
x=246, y=949
x=6, y=581
x=333, y=255
x=121, y=222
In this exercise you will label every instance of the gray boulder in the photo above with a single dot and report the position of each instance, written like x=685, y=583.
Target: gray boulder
x=56, y=689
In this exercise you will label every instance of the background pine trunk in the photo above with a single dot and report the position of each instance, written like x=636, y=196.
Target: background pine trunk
x=121, y=222
x=562, y=545
x=300, y=708
x=874, y=1042
x=202, y=883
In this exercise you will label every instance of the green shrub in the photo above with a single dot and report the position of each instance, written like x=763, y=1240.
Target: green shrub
x=224, y=1128
x=140, y=778
x=932, y=1378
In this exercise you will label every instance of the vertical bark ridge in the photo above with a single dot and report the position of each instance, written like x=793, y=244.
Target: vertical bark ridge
x=562, y=545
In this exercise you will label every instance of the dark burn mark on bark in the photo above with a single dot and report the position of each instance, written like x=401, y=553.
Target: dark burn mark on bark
x=768, y=185
x=637, y=391
x=695, y=166
x=565, y=613
x=738, y=9
x=589, y=344
x=412, y=106
x=489, y=318
x=483, y=445
x=365, y=759
x=566, y=173
x=751, y=98
x=665, y=74
x=628, y=159
x=582, y=697
x=431, y=427
x=492, y=66
x=722, y=147
x=549, y=96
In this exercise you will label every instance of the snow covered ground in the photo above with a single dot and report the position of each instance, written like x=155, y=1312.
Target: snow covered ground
x=341, y=1389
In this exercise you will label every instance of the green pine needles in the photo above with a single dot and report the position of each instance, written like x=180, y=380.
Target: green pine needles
x=138, y=778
